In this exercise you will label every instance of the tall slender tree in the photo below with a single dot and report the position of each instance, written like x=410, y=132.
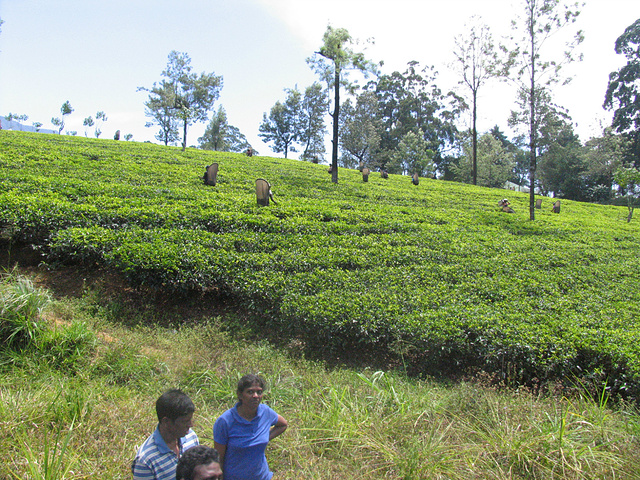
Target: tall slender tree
x=535, y=68
x=477, y=62
x=332, y=63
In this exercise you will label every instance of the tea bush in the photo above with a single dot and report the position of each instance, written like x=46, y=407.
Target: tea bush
x=434, y=267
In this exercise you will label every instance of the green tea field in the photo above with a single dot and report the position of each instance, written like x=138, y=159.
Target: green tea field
x=430, y=274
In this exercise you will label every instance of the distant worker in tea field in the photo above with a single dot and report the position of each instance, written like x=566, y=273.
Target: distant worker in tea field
x=504, y=205
x=241, y=434
x=199, y=463
x=249, y=152
x=158, y=456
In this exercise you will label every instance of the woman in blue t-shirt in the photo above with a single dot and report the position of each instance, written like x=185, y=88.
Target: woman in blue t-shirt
x=241, y=434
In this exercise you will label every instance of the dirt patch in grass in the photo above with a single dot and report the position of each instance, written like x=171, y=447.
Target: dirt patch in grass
x=76, y=281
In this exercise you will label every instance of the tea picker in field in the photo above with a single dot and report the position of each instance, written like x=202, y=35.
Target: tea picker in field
x=241, y=434
x=210, y=176
x=504, y=206
x=159, y=454
x=199, y=463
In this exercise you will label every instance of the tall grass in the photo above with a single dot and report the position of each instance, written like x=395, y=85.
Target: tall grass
x=21, y=306
x=53, y=463
x=344, y=423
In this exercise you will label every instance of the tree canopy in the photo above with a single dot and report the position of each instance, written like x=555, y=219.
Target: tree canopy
x=221, y=136
x=282, y=126
x=182, y=96
x=623, y=90
x=412, y=102
x=360, y=126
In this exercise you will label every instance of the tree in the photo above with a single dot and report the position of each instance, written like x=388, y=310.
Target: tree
x=282, y=126
x=515, y=146
x=494, y=162
x=541, y=19
x=221, y=136
x=184, y=96
x=312, y=110
x=214, y=135
x=413, y=156
x=561, y=160
x=602, y=157
x=360, y=126
x=412, y=102
x=100, y=117
x=628, y=178
x=87, y=123
x=160, y=108
x=17, y=118
x=236, y=141
x=623, y=90
x=332, y=63
x=476, y=58
x=65, y=110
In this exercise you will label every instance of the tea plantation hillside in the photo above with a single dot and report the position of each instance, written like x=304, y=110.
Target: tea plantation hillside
x=433, y=272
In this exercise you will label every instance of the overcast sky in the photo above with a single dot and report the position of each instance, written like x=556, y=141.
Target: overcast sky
x=95, y=53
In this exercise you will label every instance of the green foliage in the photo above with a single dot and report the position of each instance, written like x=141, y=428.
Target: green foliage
x=183, y=96
x=494, y=163
x=221, y=136
x=413, y=156
x=622, y=91
x=282, y=126
x=25, y=334
x=52, y=464
x=434, y=268
x=412, y=102
x=125, y=365
x=21, y=306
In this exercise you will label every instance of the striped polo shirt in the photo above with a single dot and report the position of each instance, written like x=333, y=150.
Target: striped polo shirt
x=156, y=461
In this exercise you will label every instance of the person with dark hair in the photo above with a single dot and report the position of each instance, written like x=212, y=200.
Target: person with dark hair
x=159, y=454
x=241, y=434
x=199, y=463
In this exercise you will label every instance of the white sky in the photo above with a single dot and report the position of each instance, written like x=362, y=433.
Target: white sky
x=95, y=53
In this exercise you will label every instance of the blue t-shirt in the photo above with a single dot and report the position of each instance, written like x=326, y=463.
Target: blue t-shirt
x=246, y=442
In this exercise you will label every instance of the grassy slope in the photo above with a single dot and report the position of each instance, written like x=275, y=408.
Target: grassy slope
x=344, y=423
x=433, y=272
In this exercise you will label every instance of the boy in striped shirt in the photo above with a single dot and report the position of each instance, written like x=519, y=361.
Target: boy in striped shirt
x=159, y=454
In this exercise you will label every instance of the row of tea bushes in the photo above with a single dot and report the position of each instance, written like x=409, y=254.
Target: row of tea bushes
x=434, y=267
